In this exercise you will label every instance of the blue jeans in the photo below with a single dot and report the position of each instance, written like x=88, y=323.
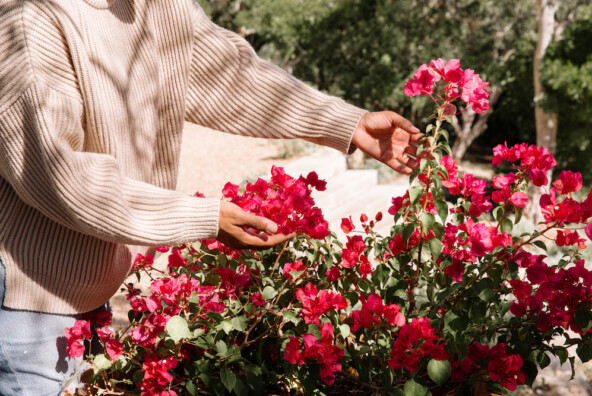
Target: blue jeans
x=33, y=359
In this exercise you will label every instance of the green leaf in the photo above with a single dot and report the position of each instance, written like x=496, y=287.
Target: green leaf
x=268, y=293
x=221, y=348
x=413, y=388
x=291, y=316
x=239, y=323
x=225, y=326
x=437, y=182
x=240, y=389
x=562, y=354
x=442, y=208
x=507, y=226
x=177, y=328
x=541, y=245
x=427, y=222
x=228, y=378
x=408, y=231
x=415, y=194
x=101, y=362
x=435, y=247
x=543, y=359
x=584, y=351
x=439, y=371
x=423, y=164
x=344, y=329
x=191, y=388
x=484, y=288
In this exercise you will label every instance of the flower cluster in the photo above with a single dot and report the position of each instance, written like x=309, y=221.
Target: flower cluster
x=499, y=365
x=457, y=82
x=415, y=341
x=453, y=298
x=285, y=200
x=322, y=350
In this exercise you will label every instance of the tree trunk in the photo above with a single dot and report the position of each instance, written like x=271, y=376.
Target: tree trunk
x=546, y=122
x=470, y=130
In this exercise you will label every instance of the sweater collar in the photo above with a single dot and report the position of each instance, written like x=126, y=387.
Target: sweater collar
x=101, y=4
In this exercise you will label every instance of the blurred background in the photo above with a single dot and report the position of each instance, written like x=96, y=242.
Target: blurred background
x=536, y=54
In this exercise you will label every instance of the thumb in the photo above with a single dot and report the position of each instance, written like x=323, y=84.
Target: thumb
x=398, y=121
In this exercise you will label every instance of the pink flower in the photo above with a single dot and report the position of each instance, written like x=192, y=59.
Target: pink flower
x=316, y=304
x=474, y=92
x=114, y=349
x=292, y=352
x=568, y=182
x=588, y=231
x=258, y=300
x=75, y=337
x=505, y=368
x=347, y=225
x=422, y=82
x=333, y=273
x=156, y=372
x=519, y=199
x=296, y=266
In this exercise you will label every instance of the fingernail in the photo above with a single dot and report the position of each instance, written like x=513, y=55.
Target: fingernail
x=271, y=228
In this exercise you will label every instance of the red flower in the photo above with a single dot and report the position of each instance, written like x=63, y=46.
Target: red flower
x=347, y=225
x=316, y=304
x=568, y=182
x=505, y=368
x=296, y=266
x=258, y=300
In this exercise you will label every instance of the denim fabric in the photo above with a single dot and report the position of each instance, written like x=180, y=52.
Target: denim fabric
x=33, y=360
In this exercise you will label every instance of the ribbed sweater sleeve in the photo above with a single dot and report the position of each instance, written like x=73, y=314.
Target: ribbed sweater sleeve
x=232, y=90
x=42, y=157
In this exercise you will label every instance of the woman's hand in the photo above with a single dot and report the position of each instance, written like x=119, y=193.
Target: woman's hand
x=241, y=230
x=389, y=138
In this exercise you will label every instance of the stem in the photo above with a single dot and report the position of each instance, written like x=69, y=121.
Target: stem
x=277, y=261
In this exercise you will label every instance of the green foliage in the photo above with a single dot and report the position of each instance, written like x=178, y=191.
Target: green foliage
x=567, y=75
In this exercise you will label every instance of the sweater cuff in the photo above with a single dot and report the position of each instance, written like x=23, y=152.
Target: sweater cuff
x=338, y=127
x=201, y=219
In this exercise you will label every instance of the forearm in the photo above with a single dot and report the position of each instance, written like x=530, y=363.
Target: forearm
x=232, y=90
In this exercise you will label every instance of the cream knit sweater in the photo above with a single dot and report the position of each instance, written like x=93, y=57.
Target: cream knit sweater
x=93, y=96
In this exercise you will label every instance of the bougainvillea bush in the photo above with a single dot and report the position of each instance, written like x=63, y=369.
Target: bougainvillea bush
x=451, y=302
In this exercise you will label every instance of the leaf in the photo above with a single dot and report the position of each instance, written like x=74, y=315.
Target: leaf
x=344, y=329
x=240, y=389
x=221, y=348
x=507, y=226
x=415, y=194
x=435, y=247
x=442, y=208
x=408, y=231
x=291, y=316
x=427, y=222
x=543, y=359
x=413, y=388
x=191, y=388
x=268, y=293
x=439, y=371
x=225, y=325
x=177, y=328
x=239, y=323
x=584, y=351
x=540, y=244
x=228, y=378
x=101, y=363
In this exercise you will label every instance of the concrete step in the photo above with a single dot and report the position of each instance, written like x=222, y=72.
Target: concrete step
x=326, y=162
x=345, y=186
